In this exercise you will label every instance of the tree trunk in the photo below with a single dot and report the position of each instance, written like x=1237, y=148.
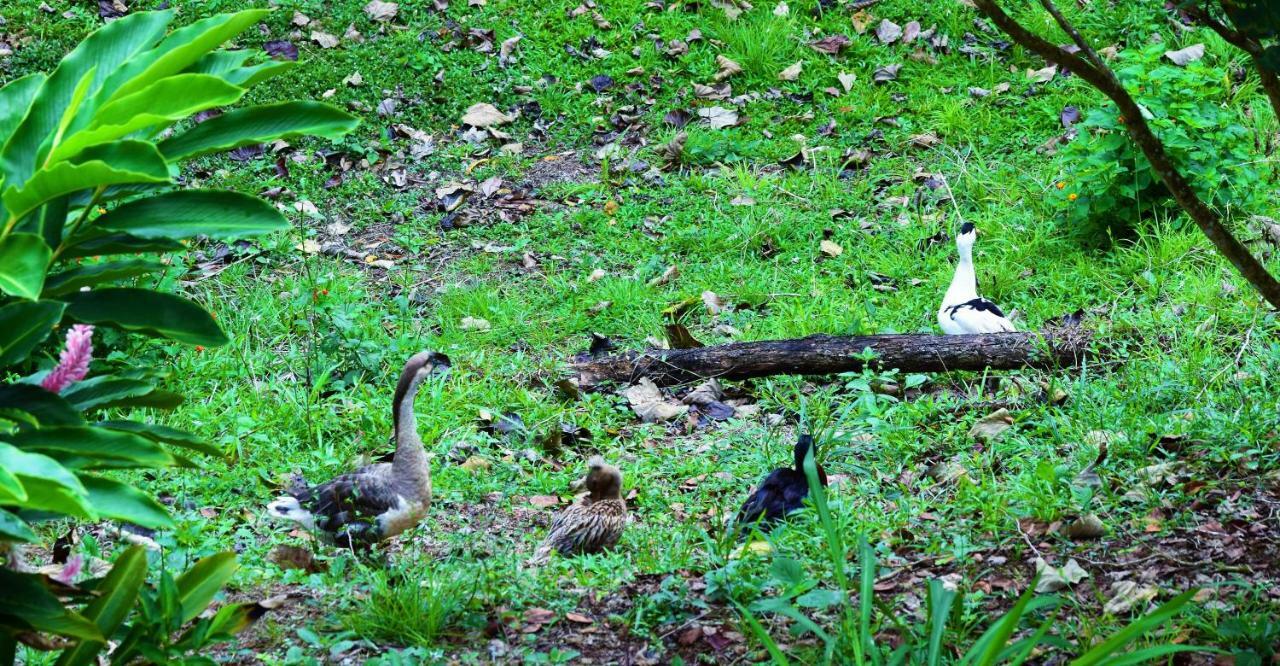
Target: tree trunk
x=830, y=354
x=1094, y=71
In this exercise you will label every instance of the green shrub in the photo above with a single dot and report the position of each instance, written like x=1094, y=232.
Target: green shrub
x=88, y=202
x=1107, y=180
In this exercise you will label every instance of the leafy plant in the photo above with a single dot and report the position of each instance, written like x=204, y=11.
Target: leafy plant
x=87, y=169
x=855, y=641
x=1107, y=179
x=171, y=608
x=414, y=606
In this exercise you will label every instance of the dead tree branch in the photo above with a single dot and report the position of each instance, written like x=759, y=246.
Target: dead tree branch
x=831, y=354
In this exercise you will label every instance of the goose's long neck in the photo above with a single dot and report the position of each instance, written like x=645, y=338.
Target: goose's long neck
x=964, y=286
x=411, y=456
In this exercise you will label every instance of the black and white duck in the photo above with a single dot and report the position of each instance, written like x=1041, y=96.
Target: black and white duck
x=963, y=311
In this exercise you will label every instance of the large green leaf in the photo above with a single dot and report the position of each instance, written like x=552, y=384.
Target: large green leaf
x=151, y=312
x=30, y=605
x=182, y=48
x=24, y=325
x=165, y=434
x=90, y=393
x=24, y=258
x=48, y=485
x=229, y=66
x=155, y=107
x=112, y=499
x=15, y=99
x=119, y=593
x=47, y=408
x=87, y=446
x=92, y=275
x=12, y=528
x=106, y=49
x=188, y=213
x=198, y=586
x=102, y=245
x=113, y=163
x=11, y=489
x=259, y=124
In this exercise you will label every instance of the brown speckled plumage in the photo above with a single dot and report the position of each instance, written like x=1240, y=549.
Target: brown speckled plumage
x=596, y=523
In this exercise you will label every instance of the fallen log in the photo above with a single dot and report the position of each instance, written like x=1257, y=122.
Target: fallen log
x=831, y=354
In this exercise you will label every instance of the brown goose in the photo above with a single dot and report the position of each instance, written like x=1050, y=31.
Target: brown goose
x=379, y=501
x=593, y=525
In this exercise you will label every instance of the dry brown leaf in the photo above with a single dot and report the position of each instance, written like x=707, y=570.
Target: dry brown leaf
x=830, y=248
x=324, y=39
x=1042, y=75
x=1053, y=579
x=1125, y=594
x=713, y=303
x=992, y=426
x=668, y=275
x=727, y=68
x=716, y=117
x=1186, y=56
x=791, y=73
x=888, y=32
x=381, y=11
x=484, y=115
x=649, y=404
x=925, y=141
x=846, y=80
x=1088, y=526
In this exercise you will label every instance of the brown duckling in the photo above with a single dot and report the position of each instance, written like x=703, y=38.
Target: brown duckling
x=379, y=501
x=593, y=525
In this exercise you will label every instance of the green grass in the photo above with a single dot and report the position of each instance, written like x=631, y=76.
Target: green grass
x=305, y=385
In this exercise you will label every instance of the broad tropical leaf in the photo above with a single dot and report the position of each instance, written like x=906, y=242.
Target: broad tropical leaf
x=87, y=447
x=109, y=244
x=119, y=593
x=47, y=408
x=150, y=312
x=99, y=166
x=15, y=99
x=30, y=605
x=24, y=259
x=92, y=275
x=97, y=391
x=11, y=490
x=23, y=326
x=182, y=48
x=165, y=434
x=153, y=108
x=13, y=529
x=188, y=213
x=106, y=49
x=227, y=65
x=48, y=485
x=198, y=586
x=259, y=124
x=112, y=499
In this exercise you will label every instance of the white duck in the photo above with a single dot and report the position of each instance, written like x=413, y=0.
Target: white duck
x=963, y=311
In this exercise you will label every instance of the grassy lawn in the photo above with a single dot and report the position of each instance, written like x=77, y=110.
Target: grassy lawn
x=572, y=224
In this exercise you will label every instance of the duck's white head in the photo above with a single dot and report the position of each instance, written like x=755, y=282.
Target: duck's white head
x=966, y=238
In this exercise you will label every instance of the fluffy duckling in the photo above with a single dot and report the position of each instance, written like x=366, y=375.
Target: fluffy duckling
x=963, y=310
x=379, y=501
x=781, y=492
x=593, y=525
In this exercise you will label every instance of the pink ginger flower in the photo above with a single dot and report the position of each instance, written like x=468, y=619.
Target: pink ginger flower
x=73, y=364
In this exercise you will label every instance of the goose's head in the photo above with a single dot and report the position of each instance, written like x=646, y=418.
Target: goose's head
x=967, y=236
x=425, y=364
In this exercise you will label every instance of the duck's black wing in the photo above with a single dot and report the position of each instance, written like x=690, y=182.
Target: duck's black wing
x=782, y=492
x=347, y=507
